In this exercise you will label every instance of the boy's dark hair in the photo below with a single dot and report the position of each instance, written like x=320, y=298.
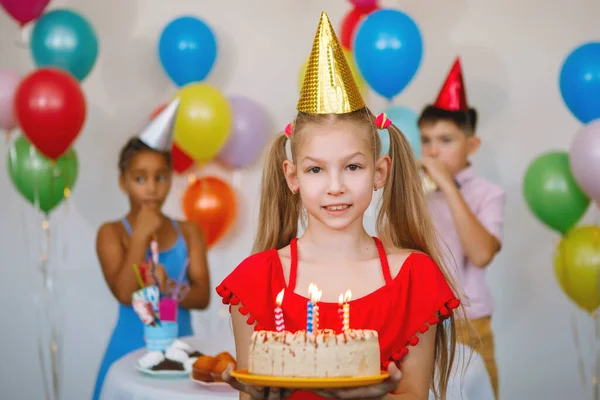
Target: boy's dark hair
x=136, y=146
x=466, y=120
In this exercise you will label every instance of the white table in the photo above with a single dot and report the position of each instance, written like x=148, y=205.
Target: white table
x=124, y=382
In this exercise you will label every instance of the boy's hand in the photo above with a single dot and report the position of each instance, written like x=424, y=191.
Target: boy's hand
x=438, y=172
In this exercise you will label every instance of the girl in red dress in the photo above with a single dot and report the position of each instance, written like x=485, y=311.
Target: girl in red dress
x=324, y=171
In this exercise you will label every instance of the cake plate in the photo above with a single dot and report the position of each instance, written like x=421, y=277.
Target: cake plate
x=307, y=383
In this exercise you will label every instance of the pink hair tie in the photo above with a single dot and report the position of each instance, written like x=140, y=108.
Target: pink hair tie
x=288, y=130
x=382, y=121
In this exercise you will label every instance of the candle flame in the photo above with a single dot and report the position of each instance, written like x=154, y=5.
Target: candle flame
x=347, y=296
x=279, y=299
x=316, y=296
x=341, y=300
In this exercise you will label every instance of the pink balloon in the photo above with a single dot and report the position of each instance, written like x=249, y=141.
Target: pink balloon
x=584, y=159
x=24, y=11
x=364, y=3
x=9, y=80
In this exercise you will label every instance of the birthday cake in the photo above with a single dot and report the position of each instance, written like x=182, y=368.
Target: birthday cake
x=325, y=353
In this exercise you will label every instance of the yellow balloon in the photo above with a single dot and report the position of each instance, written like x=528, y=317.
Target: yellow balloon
x=355, y=72
x=203, y=122
x=577, y=266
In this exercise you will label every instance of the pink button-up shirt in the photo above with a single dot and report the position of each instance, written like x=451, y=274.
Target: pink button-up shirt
x=486, y=200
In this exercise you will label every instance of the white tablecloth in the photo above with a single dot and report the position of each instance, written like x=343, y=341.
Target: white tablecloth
x=124, y=382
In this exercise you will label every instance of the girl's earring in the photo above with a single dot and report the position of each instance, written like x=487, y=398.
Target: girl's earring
x=375, y=188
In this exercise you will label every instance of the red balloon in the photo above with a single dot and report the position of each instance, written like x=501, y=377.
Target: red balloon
x=181, y=161
x=51, y=109
x=24, y=11
x=350, y=23
x=157, y=111
x=210, y=203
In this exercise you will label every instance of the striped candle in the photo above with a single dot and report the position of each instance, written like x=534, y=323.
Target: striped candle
x=279, y=322
x=315, y=298
x=346, y=311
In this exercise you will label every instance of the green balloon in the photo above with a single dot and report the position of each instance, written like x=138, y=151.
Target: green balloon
x=552, y=193
x=39, y=179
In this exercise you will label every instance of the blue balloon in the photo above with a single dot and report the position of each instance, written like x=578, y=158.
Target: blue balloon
x=580, y=82
x=388, y=49
x=66, y=40
x=406, y=120
x=187, y=50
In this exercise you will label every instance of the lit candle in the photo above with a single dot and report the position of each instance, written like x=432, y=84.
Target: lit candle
x=315, y=297
x=341, y=310
x=279, y=324
x=347, y=298
x=310, y=309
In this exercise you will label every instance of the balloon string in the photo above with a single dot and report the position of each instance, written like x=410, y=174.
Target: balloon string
x=580, y=363
x=36, y=300
x=597, y=358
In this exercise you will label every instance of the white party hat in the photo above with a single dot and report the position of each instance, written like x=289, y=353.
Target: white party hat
x=159, y=133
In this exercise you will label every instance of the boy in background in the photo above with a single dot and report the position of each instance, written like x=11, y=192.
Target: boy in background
x=467, y=210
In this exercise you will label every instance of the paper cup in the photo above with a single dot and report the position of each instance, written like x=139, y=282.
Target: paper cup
x=160, y=337
x=168, y=309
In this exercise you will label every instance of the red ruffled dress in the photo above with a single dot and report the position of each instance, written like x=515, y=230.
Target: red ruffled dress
x=416, y=298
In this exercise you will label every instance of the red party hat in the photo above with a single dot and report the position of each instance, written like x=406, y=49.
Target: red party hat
x=453, y=96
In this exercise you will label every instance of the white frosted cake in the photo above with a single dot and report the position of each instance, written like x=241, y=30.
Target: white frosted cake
x=323, y=354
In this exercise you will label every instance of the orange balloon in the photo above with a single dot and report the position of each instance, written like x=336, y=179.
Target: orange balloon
x=210, y=203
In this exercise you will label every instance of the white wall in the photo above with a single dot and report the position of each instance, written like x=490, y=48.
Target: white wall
x=512, y=51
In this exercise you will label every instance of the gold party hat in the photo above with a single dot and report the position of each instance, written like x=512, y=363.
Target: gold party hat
x=329, y=86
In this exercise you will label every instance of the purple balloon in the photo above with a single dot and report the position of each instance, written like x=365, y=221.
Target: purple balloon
x=249, y=133
x=584, y=159
x=9, y=81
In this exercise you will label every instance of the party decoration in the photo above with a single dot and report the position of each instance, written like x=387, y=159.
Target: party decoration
x=329, y=86
x=159, y=133
x=585, y=159
x=66, y=40
x=279, y=321
x=9, y=81
x=362, y=87
x=24, y=11
x=406, y=120
x=51, y=109
x=187, y=50
x=552, y=193
x=344, y=310
x=203, y=121
x=42, y=181
x=579, y=82
x=210, y=203
x=388, y=48
x=350, y=23
x=577, y=266
x=453, y=95
x=364, y=3
x=249, y=133
x=181, y=161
